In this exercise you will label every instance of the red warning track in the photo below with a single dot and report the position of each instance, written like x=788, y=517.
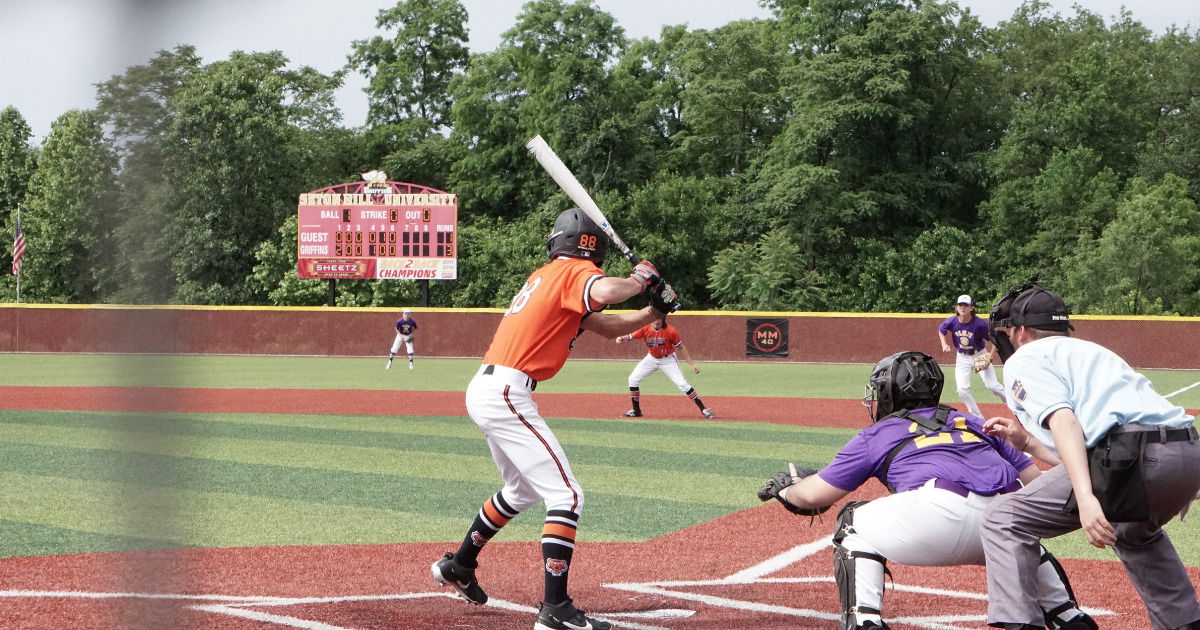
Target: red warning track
x=825, y=412
x=740, y=571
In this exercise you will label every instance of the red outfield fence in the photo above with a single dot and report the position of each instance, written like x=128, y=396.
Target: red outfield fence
x=1148, y=342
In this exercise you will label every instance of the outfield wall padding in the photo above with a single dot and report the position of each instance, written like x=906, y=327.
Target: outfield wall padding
x=1158, y=342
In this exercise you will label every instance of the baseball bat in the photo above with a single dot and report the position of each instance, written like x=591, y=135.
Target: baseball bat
x=567, y=182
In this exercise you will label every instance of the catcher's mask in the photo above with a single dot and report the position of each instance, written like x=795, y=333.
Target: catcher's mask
x=905, y=380
x=577, y=236
x=1031, y=305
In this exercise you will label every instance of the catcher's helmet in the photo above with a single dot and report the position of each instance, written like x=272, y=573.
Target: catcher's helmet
x=577, y=236
x=905, y=380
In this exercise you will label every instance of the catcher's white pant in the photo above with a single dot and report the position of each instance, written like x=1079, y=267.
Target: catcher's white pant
x=927, y=526
x=407, y=340
x=531, y=461
x=669, y=366
x=964, y=366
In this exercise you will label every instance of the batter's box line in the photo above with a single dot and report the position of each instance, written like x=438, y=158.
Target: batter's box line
x=240, y=605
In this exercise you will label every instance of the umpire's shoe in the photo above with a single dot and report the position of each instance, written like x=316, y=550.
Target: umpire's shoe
x=449, y=571
x=566, y=616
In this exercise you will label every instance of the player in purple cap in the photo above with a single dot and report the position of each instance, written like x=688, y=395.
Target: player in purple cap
x=967, y=334
x=943, y=470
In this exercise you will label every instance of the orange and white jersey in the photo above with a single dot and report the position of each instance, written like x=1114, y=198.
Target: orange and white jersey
x=539, y=329
x=660, y=343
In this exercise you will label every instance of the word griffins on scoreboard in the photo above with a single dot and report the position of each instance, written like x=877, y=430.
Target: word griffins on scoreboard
x=387, y=199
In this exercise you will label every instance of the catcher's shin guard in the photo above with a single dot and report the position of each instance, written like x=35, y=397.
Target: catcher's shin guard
x=859, y=574
x=1056, y=597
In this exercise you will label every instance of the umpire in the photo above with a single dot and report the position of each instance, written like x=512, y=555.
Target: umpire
x=1130, y=462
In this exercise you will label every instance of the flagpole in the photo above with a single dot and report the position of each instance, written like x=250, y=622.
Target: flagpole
x=18, y=273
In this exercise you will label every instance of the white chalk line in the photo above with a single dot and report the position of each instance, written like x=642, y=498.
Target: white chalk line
x=757, y=575
x=1180, y=391
x=243, y=606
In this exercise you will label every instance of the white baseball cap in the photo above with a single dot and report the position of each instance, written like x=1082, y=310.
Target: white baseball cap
x=965, y=299
x=407, y=311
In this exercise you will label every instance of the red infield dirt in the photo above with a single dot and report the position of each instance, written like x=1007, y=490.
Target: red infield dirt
x=760, y=568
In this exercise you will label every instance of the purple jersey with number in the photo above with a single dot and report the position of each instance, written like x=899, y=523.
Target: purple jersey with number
x=406, y=325
x=980, y=463
x=970, y=337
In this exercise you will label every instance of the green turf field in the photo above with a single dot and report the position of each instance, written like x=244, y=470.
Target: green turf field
x=89, y=481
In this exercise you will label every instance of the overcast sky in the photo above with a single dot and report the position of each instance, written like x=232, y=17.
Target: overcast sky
x=53, y=52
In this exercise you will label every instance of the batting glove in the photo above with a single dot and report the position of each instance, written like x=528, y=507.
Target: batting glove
x=646, y=274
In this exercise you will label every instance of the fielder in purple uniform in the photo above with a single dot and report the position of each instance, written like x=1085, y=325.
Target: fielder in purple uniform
x=943, y=470
x=1087, y=404
x=967, y=334
x=406, y=327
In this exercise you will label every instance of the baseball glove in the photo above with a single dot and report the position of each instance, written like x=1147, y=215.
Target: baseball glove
x=774, y=486
x=982, y=361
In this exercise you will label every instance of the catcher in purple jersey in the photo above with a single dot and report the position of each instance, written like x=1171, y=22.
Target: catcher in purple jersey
x=942, y=468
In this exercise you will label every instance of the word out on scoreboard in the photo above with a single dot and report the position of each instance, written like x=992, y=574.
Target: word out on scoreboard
x=377, y=229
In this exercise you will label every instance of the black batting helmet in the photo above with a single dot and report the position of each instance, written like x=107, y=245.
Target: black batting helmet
x=905, y=380
x=577, y=236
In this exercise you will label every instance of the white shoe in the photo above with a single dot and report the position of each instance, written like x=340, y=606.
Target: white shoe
x=410, y=365
x=708, y=413
x=389, y=365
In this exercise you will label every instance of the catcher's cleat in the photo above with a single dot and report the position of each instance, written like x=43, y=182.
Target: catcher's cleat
x=449, y=571
x=708, y=413
x=566, y=616
x=632, y=413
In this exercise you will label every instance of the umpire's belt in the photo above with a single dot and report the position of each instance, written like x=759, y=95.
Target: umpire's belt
x=516, y=378
x=1155, y=434
x=960, y=490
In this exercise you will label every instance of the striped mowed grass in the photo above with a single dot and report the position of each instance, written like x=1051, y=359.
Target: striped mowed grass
x=110, y=481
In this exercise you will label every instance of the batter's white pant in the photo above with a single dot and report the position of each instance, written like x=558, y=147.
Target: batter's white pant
x=928, y=526
x=407, y=340
x=964, y=366
x=669, y=365
x=531, y=461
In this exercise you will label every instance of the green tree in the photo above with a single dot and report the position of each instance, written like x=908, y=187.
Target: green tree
x=235, y=162
x=767, y=276
x=68, y=214
x=16, y=167
x=409, y=74
x=730, y=105
x=136, y=106
x=925, y=275
x=890, y=120
x=1174, y=143
x=1147, y=261
x=550, y=75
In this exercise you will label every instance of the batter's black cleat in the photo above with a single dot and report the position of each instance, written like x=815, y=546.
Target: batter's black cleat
x=632, y=413
x=566, y=616
x=449, y=571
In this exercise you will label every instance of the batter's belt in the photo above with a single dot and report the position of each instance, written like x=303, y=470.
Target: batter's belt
x=516, y=378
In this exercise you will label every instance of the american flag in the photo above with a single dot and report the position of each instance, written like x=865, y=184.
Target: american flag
x=18, y=249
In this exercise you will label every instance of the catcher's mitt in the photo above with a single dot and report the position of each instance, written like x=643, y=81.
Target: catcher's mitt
x=982, y=361
x=774, y=486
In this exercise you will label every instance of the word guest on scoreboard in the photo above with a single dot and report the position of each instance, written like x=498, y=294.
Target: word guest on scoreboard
x=378, y=230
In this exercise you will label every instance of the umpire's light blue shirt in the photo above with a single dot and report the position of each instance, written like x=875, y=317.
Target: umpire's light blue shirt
x=1054, y=373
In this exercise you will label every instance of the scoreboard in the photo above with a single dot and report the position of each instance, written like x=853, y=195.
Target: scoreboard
x=377, y=230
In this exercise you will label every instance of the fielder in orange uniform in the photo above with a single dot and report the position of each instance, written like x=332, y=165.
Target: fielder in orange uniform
x=558, y=302
x=662, y=345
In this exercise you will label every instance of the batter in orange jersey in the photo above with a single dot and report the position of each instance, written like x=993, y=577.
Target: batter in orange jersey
x=557, y=303
x=662, y=343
